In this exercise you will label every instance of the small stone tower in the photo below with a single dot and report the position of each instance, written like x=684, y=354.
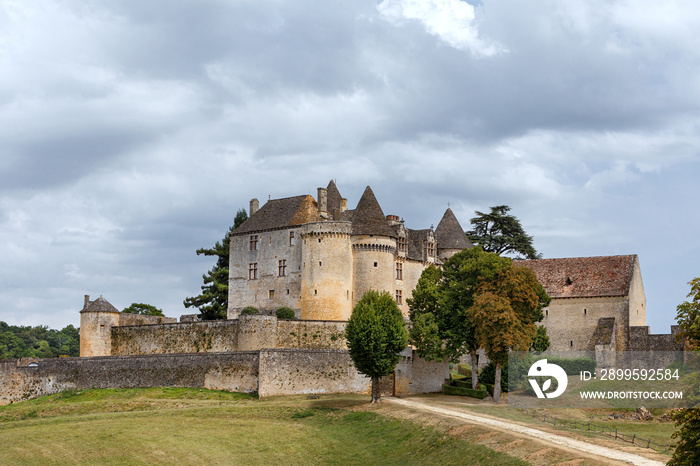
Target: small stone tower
x=96, y=321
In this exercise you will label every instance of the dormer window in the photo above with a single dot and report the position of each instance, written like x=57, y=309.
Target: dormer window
x=401, y=244
x=568, y=281
x=431, y=249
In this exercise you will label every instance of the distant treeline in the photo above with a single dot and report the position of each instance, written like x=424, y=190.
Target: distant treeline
x=38, y=342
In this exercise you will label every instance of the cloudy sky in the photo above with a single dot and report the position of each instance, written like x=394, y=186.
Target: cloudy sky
x=132, y=131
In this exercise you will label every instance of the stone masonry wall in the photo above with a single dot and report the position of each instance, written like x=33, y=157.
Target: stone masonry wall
x=191, y=337
x=222, y=371
x=311, y=334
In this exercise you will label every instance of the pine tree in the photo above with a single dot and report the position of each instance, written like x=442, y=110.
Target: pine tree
x=213, y=301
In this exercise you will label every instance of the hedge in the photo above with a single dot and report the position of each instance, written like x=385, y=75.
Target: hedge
x=450, y=390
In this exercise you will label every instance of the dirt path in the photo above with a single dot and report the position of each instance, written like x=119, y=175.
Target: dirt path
x=542, y=436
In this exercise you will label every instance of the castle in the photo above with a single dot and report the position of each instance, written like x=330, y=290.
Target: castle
x=318, y=257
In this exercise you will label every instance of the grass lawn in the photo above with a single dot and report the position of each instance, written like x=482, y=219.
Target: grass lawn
x=195, y=426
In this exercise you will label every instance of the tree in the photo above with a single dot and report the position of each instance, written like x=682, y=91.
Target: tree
x=541, y=341
x=501, y=233
x=376, y=335
x=440, y=301
x=506, y=307
x=143, y=309
x=213, y=301
x=688, y=317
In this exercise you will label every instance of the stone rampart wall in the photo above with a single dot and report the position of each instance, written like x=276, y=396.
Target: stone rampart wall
x=223, y=371
x=191, y=337
x=311, y=334
x=642, y=340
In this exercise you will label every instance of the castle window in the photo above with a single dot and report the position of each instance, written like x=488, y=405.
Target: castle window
x=287, y=290
x=399, y=271
x=272, y=294
x=319, y=240
x=431, y=249
x=315, y=292
x=253, y=271
x=376, y=264
x=585, y=312
x=291, y=238
x=253, y=242
x=399, y=297
x=568, y=281
x=347, y=294
x=546, y=312
x=401, y=244
x=282, y=267
x=571, y=343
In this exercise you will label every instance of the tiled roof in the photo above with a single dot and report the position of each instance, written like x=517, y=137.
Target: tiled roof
x=368, y=218
x=449, y=233
x=99, y=305
x=583, y=276
x=281, y=213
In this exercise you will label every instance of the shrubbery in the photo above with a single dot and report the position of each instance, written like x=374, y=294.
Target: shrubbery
x=451, y=390
x=285, y=313
x=250, y=310
x=488, y=376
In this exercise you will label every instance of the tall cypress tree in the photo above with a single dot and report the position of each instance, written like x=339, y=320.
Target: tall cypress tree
x=213, y=301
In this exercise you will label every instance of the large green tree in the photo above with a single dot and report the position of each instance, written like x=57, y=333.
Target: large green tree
x=213, y=301
x=688, y=317
x=376, y=335
x=501, y=233
x=143, y=309
x=438, y=308
x=504, y=313
x=38, y=342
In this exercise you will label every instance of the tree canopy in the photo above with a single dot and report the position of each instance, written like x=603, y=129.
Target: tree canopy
x=213, y=301
x=688, y=317
x=38, y=342
x=143, y=309
x=501, y=233
x=376, y=335
x=444, y=305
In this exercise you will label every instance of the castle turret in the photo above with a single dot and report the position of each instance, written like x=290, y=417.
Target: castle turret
x=373, y=248
x=96, y=321
x=450, y=236
x=326, y=274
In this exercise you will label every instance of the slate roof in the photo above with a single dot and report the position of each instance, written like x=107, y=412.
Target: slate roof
x=414, y=243
x=583, y=276
x=281, y=213
x=99, y=305
x=368, y=218
x=333, y=197
x=449, y=233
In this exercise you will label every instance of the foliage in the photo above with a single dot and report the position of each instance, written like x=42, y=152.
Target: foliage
x=376, y=334
x=501, y=233
x=285, y=313
x=488, y=375
x=540, y=342
x=250, y=310
x=213, y=302
x=504, y=313
x=464, y=391
x=144, y=309
x=688, y=317
x=38, y=342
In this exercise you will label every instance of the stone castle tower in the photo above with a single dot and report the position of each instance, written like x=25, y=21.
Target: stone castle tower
x=319, y=258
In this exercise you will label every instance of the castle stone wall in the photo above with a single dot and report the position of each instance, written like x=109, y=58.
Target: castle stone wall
x=191, y=337
x=373, y=265
x=270, y=290
x=642, y=340
x=571, y=322
x=95, y=333
x=222, y=371
x=311, y=334
x=637, y=298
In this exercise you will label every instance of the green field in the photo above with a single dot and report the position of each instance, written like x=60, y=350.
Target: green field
x=195, y=426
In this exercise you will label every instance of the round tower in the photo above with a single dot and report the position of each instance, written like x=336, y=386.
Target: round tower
x=326, y=271
x=96, y=321
x=373, y=264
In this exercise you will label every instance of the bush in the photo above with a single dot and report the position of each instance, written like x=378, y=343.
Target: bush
x=450, y=390
x=573, y=366
x=465, y=382
x=250, y=310
x=285, y=312
x=464, y=369
x=488, y=376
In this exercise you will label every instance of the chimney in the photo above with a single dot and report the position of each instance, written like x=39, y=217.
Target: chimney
x=86, y=303
x=322, y=200
x=254, y=206
x=343, y=204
